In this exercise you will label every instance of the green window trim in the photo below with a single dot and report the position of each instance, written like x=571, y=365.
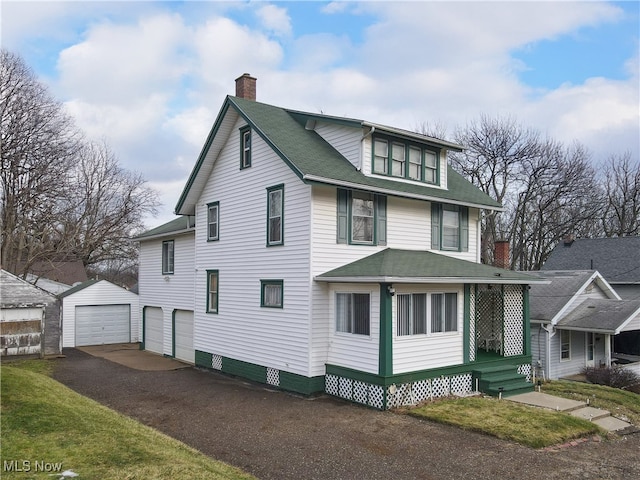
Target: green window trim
x=437, y=227
x=272, y=293
x=245, y=147
x=168, y=257
x=213, y=287
x=275, y=215
x=213, y=221
x=399, y=158
x=345, y=218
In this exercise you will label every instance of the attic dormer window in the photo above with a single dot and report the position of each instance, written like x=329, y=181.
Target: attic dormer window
x=245, y=147
x=402, y=159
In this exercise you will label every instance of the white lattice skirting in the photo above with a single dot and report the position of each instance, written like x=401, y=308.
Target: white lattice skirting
x=397, y=395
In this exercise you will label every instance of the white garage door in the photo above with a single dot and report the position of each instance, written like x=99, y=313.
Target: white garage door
x=153, y=338
x=103, y=324
x=183, y=331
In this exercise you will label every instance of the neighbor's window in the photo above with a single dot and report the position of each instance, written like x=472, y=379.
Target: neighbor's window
x=405, y=159
x=411, y=313
x=275, y=215
x=271, y=293
x=245, y=147
x=444, y=312
x=167, y=257
x=565, y=345
x=362, y=218
x=212, y=291
x=352, y=313
x=213, y=221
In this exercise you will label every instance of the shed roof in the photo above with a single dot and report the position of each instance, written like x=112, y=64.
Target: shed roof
x=617, y=259
x=413, y=266
x=16, y=293
x=314, y=160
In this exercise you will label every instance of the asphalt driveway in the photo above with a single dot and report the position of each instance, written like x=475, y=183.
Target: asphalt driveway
x=276, y=435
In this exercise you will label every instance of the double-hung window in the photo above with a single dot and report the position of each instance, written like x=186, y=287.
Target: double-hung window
x=213, y=221
x=271, y=293
x=362, y=218
x=411, y=314
x=245, y=147
x=565, y=345
x=212, y=291
x=275, y=215
x=449, y=227
x=415, y=316
x=167, y=257
x=444, y=312
x=405, y=159
x=353, y=313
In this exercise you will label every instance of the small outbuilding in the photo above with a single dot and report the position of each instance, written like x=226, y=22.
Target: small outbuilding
x=98, y=312
x=29, y=319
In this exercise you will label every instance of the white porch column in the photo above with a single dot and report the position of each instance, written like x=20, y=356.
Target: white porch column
x=607, y=349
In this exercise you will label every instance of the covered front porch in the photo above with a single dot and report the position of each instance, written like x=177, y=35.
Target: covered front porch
x=445, y=326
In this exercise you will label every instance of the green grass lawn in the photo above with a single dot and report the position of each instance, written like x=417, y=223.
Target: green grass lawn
x=44, y=421
x=526, y=425
x=621, y=403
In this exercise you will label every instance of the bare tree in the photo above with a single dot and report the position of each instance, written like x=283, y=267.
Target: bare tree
x=621, y=214
x=496, y=149
x=107, y=207
x=62, y=197
x=38, y=142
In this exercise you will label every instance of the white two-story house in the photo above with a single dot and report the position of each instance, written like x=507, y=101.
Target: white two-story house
x=317, y=253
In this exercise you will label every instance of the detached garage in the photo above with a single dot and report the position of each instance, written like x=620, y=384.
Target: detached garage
x=98, y=312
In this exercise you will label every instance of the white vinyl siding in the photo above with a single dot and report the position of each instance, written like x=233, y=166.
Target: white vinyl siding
x=431, y=350
x=346, y=140
x=359, y=352
x=242, y=329
x=101, y=293
x=167, y=292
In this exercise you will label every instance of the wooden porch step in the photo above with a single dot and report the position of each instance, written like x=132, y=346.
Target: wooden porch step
x=503, y=379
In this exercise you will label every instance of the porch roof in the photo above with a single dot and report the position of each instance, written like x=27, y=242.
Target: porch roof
x=414, y=266
x=601, y=315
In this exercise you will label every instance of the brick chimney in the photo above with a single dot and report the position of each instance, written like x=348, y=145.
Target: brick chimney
x=501, y=254
x=246, y=87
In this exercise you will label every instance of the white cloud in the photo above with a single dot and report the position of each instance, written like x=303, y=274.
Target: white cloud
x=275, y=19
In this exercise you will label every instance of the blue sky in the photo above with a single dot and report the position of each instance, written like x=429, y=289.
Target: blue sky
x=149, y=77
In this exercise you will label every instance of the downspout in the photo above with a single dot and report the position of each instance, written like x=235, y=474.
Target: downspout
x=550, y=334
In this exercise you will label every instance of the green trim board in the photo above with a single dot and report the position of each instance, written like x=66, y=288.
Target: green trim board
x=385, y=356
x=258, y=373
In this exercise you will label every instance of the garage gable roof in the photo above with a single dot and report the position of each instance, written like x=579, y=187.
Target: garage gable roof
x=18, y=293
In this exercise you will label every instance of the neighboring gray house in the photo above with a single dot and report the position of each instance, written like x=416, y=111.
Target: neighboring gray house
x=29, y=319
x=617, y=259
x=574, y=319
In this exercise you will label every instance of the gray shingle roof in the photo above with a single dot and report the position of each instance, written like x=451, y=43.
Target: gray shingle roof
x=411, y=266
x=546, y=300
x=314, y=160
x=16, y=292
x=617, y=259
x=600, y=315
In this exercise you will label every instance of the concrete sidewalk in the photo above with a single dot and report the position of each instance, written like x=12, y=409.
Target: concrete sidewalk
x=576, y=408
x=130, y=355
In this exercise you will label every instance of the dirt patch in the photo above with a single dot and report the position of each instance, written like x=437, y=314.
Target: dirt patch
x=275, y=435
